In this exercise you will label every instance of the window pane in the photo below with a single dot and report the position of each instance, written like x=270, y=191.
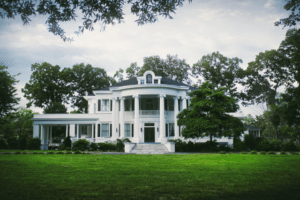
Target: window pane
x=149, y=78
x=127, y=130
x=127, y=105
x=171, y=127
x=171, y=104
x=105, y=130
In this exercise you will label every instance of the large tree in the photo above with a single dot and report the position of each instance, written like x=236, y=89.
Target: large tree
x=8, y=97
x=220, y=71
x=172, y=67
x=46, y=85
x=207, y=115
x=294, y=7
x=94, y=11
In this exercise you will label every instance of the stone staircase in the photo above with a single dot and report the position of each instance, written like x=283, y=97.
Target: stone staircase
x=150, y=148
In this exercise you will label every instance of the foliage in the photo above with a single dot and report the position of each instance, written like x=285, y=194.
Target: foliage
x=68, y=149
x=103, y=12
x=294, y=7
x=61, y=147
x=34, y=143
x=289, y=146
x=81, y=144
x=67, y=142
x=182, y=146
x=262, y=152
x=77, y=152
x=222, y=152
x=172, y=67
x=8, y=99
x=282, y=152
x=249, y=120
x=13, y=143
x=207, y=114
x=3, y=144
x=220, y=71
x=253, y=152
x=23, y=142
x=60, y=152
x=90, y=149
x=107, y=146
x=271, y=152
x=55, y=107
x=50, y=152
x=119, y=75
x=94, y=146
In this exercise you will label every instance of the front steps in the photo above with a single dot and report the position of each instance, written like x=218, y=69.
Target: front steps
x=150, y=148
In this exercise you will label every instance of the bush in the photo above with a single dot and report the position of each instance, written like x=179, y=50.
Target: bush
x=289, y=146
x=271, y=152
x=7, y=152
x=34, y=144
x=294, y=153
x=68, y=148
x=18, y=152
x=3, y=144
x=23, y=142
x=61, y=147
x=126, y=140
x=275, y=145
x=35, y=152
x=13, y=143
x=67, y=142
x=222, y=152
x=106, y=146
x=81, y=144
x=77, y=152
x=94, y=146
x=50, y=152
x=253, y=152
x=262, y=152
x=75, y=149
x=69, y=152
x=24, y=152
x=282, y=152
x=60, y=152
x=119, y=145
x=244, y=152
x=90, y=149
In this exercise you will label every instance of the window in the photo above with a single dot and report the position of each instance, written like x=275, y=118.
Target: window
x=171, y=104
x=142, y=82
x=127, y=130
x=155, y=81
x=179, y=104
x=149, y=104
x=149, y=78
x=127, y=104
x=99, y=105
x=166, y=130
x=110, y=105
x=105, y=105
x=105, y=130
x=171, y=129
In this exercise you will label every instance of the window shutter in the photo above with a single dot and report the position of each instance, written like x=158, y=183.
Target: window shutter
x=110, y=130
x=110, y=105
x=98, y=130
x=166, y=130
x=166, y=104
x=179, y=101
x=99, y=105
x=132, y=102
x=132, y=130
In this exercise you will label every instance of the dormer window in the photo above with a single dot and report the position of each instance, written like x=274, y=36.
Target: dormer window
x=149, y=78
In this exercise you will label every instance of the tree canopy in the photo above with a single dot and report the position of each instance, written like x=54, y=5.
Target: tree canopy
x=8, y=91
x=294, y=17
x=220, y=71
x=207, y=115
x=100, y=11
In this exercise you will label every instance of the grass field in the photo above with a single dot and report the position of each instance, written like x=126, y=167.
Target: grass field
x=186, y=176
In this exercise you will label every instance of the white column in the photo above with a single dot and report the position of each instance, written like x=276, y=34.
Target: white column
x=122, y=117
x=67, y=130
x=183, y=103
x=136, y=117
x=162, y=117
x=175, y=117
x=72, y=130
x=36, y=130
x=114, y=119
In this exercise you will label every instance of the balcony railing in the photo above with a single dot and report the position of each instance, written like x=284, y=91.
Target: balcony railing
x=149, y=112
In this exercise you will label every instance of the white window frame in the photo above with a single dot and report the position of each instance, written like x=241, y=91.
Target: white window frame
x=105, y=107
x=127, y=131
x=102, y=130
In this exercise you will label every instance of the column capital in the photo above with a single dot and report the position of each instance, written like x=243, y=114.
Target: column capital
x=114, y=98
x=162, y=95
x=176, y=97
x=136, y=96
x=121, y=98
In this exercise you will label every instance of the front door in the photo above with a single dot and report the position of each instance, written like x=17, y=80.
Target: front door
x=149, y=135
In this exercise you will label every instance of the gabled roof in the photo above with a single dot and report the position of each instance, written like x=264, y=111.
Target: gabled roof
x=164, y=80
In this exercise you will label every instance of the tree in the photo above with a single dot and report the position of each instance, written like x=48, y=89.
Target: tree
x=55, y=107
x=102, y=11
x=172, y=67
x=119, y=75
x=294, y=7
x=85, y=78
x=220, y=71
x=249, y=120
x=46, y=85
x=8, y=97
x=207, y=114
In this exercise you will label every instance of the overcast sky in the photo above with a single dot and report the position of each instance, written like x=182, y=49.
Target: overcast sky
x=235, y=28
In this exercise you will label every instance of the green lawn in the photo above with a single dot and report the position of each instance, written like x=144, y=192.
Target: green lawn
x=186, y=176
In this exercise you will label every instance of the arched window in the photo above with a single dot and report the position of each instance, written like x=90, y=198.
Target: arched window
x=149, y=78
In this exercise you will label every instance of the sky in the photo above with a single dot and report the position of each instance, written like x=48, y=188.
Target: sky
x=235, y=28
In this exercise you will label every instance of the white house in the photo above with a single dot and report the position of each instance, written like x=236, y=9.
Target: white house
x=143, y=109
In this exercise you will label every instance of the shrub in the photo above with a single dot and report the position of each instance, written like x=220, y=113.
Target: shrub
x=222, y=152
x=94, y=146
x=81, y=144
x=24, y=152
x=271, y=152
x=50, y=152
x=289, y=146
x=68, y=148
x=262, y=152
x=253, y=152
x=13, y=143
x=18, y=152
x=60, y=152
x=67, y=142
x=275, y=145
x=34, y=144
x=75, y=149
x=61, y=147
x=294, y=153
x=90, y=149
x=106, y=146
x=23, y=142
x=77, y=152
x=35, y=152
x=244, y=152
x=69, y=152
x=3, y=144
x=7, y=152
x=120, y=145
x=282, y=152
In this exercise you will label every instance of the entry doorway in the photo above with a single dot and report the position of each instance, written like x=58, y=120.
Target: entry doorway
x=149, y=134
